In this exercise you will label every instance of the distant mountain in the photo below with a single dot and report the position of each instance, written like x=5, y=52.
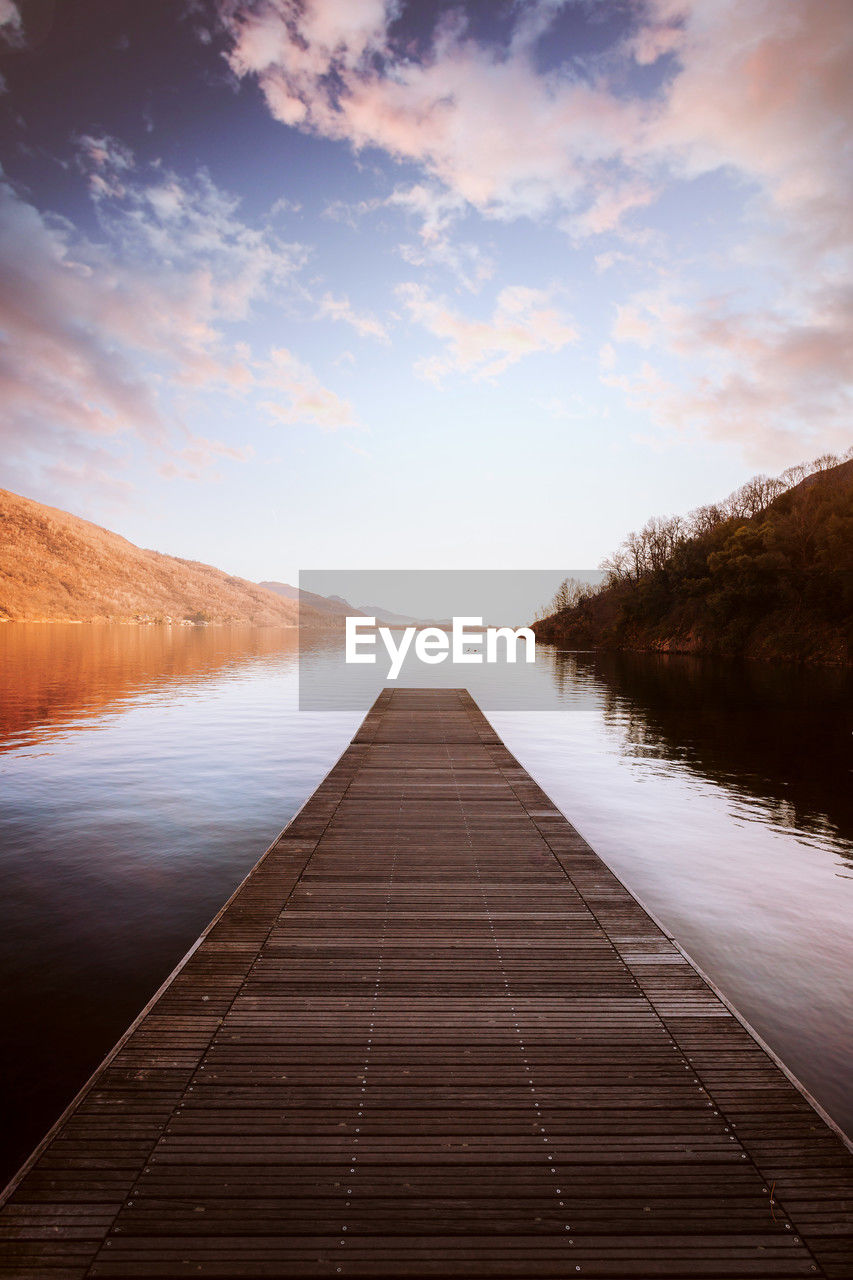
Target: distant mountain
x=322, y=604
x=338, y=606
x=385, y=615
x=56, y=567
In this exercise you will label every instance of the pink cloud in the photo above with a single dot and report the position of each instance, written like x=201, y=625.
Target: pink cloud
x=306, y=401
x=437, y=211
x=631, y=326
x=11, y=24
x=341, y=309
x=760, y=87
x=502, y=137
x=524, y=321
x=105, y=159
x=775, y=383
x=759, y=90
x=610, y=205
x=767, y=89
x=96, y=337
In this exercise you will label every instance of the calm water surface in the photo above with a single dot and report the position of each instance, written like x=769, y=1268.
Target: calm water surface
x=143, y=771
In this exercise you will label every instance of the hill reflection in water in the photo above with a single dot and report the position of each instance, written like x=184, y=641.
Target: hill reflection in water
x=59, y=673
x=772, y=732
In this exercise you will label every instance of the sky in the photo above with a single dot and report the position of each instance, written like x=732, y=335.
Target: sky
x=315, y=284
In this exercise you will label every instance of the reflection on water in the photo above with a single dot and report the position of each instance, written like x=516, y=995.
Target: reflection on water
x=764, y=731
x=53, y=675
x=720, y=793
x=143, y=770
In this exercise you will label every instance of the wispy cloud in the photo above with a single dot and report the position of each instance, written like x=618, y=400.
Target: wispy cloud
x=104, y=159
x=524, y=321
x=366, y=326
x=777, y=383
x=306, y=401
x=116, y=339
x=611, y=204
x=768, y=92
x=437, y=211
x=11, y=24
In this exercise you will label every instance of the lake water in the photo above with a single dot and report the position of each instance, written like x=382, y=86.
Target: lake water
x=144, y=770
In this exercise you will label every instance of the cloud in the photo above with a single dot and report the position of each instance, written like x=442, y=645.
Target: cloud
x=437, y=211
x=195, y=460
x=766, y=90
x=751, y=86
x=631, y=326
x=67, y=476
x=349, y=212
x=775, y=382
x=59, y=364
x=524, y=321
x=11, y=24
x=611, y=204
x=610, y=258
x=96, y=338
x=308, y=402
x=755, y=88
x=104, y=160
x=366, y=326
x=758, y=94
x=284, y=205
x=482, y=122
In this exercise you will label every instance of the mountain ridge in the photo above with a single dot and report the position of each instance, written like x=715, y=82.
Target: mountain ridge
x=58, y=567
x=334, y=605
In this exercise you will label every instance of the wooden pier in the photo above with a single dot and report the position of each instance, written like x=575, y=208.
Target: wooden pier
x=433, y=1035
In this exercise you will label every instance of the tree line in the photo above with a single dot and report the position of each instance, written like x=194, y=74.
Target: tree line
x=767, y=571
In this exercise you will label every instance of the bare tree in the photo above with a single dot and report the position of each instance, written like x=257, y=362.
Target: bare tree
x=705, y=519
x=649, y=549
x=825, y=462
x=569, y=594
x=794, y=475
x=615, y=566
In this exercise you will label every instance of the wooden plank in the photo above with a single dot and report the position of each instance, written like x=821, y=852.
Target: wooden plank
x=432, y=1034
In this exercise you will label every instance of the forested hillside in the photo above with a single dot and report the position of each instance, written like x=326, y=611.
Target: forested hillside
x=767, y=573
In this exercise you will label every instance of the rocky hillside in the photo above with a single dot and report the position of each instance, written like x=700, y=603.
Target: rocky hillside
x=55, y=567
